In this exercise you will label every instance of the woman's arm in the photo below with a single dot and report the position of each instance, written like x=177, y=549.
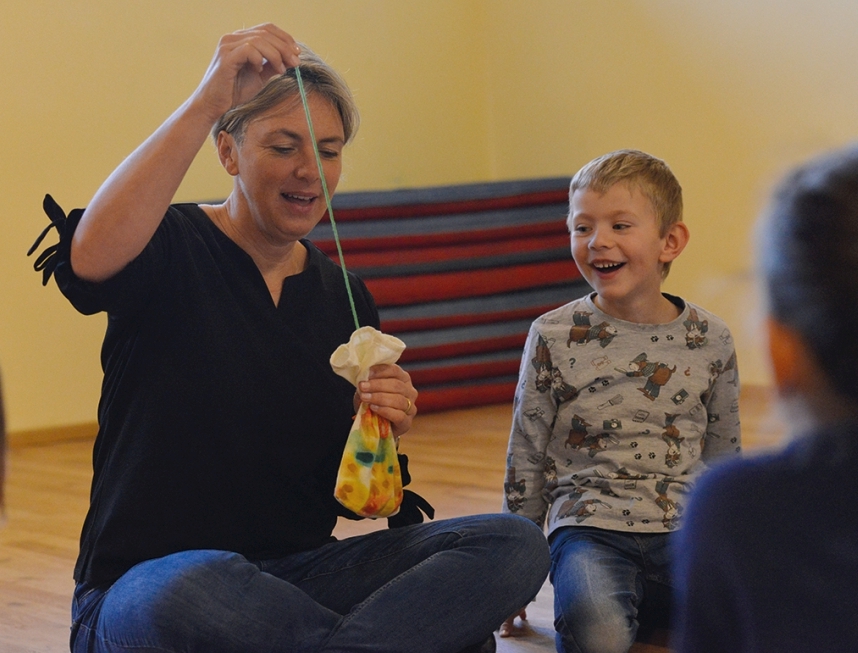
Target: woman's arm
x=127, y=209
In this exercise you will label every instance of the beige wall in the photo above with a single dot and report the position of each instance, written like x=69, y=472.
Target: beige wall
x=728, y=93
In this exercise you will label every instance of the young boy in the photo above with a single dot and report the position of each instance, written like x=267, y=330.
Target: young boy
x=624, y=397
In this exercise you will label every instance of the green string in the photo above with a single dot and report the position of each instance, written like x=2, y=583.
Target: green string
x=327, y=195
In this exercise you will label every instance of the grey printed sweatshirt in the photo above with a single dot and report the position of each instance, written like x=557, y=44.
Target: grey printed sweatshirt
x=613, y=421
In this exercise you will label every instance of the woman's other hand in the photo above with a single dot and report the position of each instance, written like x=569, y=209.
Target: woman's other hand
x=390, y=393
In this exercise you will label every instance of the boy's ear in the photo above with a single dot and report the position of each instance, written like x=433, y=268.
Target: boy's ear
x=227, y=151
x=674, y=242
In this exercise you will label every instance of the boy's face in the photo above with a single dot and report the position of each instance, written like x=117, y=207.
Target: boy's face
x=618, y=248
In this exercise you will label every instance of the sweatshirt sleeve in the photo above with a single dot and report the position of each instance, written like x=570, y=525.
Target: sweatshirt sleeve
x=534, y=412
x=723, y=433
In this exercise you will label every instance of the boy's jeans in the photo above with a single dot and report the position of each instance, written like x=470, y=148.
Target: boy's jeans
x=435, y=587
x=601, y=578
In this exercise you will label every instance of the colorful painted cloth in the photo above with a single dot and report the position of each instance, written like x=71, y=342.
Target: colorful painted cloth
x=369, y=482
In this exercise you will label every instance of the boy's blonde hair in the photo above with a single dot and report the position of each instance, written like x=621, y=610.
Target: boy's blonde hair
x=649, y=174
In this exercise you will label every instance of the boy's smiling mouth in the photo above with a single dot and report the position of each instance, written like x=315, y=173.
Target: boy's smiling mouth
x=607, y=266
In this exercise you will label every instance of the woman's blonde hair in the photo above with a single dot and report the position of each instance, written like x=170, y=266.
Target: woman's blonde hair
x=318, y=78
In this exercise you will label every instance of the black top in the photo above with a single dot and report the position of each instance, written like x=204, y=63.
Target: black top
x=768, y=556
x=221, y=422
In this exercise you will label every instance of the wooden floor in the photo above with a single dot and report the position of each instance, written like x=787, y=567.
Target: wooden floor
x=457, y=461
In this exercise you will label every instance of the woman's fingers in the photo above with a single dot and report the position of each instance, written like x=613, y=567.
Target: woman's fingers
x=265, y=43
x=389, y=386
x=243, y=62
x=390, y=394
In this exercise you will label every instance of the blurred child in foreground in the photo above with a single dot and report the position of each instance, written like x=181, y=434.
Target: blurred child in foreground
x=768, y=560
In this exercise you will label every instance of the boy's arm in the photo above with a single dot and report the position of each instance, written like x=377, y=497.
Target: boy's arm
x=533, y=415
x=723, y=433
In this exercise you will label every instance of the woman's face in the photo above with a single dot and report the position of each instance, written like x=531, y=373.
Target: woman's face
x=276, y=176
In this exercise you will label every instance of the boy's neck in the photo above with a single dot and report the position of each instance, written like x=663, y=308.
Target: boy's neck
x=640, y=310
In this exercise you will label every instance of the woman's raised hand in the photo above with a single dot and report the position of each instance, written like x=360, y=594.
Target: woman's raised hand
x=129, y=206
x=243, y=62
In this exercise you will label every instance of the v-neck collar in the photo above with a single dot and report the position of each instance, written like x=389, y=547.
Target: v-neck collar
x=311, y=267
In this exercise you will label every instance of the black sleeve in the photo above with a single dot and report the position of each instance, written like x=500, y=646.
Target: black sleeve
x=123, y=293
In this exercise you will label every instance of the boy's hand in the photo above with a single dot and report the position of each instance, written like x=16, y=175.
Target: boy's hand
x=508, y=628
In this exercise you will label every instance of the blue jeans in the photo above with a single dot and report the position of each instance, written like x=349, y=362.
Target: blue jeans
x=605, y=583
x=435, y=587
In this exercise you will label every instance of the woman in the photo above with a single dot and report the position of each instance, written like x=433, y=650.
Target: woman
x=767, y=558
x=221, y=421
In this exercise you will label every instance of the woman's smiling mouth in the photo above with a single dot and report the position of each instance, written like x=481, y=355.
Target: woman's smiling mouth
x=304, y=200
